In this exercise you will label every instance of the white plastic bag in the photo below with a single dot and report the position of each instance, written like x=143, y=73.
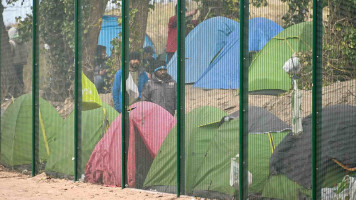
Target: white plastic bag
x=234, y=172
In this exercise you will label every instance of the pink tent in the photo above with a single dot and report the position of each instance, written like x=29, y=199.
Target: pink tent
x=149, y=125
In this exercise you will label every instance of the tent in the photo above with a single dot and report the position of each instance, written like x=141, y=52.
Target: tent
x=265, y=72
x=291, y=166
x=16, y=131
x=94, y=125
x=90, y=95
x=201, y=46
x=209, y=148
x=149, y=125
x=111, y=29
x=223, y=72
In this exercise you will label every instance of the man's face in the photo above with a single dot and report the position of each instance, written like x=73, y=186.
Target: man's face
x=147, y=55
x=103, y=55
x=161, y=73
x=134, y=64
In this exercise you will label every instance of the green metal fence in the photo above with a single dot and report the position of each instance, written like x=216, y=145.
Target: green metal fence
x=292, y=130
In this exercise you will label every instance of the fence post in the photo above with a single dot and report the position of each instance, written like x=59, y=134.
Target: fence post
x=180, y=97
x=124, y=74
x=317, y=96
x=243, y=111
x=35, y=84
x=77, y=89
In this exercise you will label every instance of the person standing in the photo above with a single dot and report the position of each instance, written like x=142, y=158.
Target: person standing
x=134, y=84
x=19, y=55
x=148, y=60
x=161, y=89
x=171, y=46
x=100, y=74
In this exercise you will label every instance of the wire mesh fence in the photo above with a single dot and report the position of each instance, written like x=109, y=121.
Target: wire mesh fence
x=213, y=99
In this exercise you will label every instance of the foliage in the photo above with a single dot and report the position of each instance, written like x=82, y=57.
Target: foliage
x=226, y=8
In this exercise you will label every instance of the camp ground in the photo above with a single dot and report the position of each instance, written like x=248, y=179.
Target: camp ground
x=178, y=99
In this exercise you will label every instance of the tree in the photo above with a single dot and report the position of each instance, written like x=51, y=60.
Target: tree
x=10, y=86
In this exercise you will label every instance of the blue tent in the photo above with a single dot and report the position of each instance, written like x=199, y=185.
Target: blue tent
x=201, y=45
x=110, y=29
x=223, y=72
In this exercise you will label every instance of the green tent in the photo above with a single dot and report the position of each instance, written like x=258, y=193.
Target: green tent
x=94, y=125
x=208, y=152
x=16, y=131
x=266, y=74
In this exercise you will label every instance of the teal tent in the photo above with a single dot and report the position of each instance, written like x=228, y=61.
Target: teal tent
x=16, y=132
x=94, y=125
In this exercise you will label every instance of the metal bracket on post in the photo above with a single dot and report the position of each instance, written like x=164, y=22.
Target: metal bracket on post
x=35, y=85
x=181, y=97
x=243, y=119
x=317, y=97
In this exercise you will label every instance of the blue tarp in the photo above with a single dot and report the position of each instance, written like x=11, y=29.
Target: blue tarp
x=223, y=72
x=110, y=29
x=201, y=45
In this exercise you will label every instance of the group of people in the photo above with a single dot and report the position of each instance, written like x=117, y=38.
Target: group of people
x=147, y=80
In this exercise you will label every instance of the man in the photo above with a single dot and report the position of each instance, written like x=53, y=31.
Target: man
x=134, y=84
x=100, y=75
x=171, y=46
x=148, y=60
x=19, y=54
x=161, y=89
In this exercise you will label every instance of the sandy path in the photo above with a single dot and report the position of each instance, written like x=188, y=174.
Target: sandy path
x=20, y=187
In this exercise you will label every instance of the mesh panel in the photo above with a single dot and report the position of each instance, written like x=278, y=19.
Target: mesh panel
x=16, y=88
x=280, y=95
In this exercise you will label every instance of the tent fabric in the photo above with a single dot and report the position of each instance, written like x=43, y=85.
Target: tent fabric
x=261, y=121
x=208, y=152
x=90, y=95
x=201, y=46
x=147, y=120
x=293, y=156
x=223, y=72
x=266, y=70
x=16, y=131
x=95, y=122
x=111, y=29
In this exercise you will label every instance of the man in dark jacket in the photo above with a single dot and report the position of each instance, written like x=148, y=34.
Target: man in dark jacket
x=148, y=60
x=161, y=89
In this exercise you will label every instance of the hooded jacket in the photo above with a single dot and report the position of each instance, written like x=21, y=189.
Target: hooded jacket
x=116, y=88
x=161, y=92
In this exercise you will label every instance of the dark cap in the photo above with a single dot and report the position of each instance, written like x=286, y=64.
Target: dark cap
x=135, y=55
x=148, y=49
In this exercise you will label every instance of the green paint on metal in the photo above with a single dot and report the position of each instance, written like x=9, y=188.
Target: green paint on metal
x=317, y=97
x=35, y=94
x=243, y=121
x=77, y=90
x=124, y=114
x=180, y=97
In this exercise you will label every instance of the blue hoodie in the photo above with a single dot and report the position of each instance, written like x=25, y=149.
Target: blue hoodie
x=116, y=88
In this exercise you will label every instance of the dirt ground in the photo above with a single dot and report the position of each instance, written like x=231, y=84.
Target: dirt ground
x=16, y=186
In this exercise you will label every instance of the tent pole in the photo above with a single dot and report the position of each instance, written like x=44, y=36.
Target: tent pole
x=180, y=97
x=77, y=90
x=317, y=97
x=124, y=113
x=35, y=83
x=243, y=110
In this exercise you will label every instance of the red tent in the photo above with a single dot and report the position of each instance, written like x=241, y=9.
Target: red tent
x=149, y=125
